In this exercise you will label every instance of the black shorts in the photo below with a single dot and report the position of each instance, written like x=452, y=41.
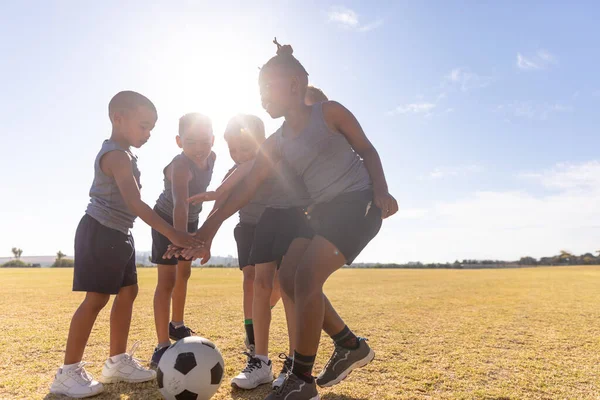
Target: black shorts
x=104, y=258
x=244, y=236
x=275, y=231
x=349, y=222
x=160, y=243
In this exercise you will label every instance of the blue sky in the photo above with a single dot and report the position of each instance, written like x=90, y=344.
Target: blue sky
x=485, y=115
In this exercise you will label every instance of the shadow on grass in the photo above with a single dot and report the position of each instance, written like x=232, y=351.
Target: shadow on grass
x=333, y=396
x=116, y=391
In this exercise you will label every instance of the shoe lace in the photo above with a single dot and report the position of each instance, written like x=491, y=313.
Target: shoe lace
x=129, y=359
x=189, y=331
x=288, y=377
x=287, y=363
x=252, y=364
x=80, y=374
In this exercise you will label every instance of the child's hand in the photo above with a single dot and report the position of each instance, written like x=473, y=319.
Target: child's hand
x=202, y=197
x=184, y=239
x=203, y=253
x=386, y=203
x=172, y=251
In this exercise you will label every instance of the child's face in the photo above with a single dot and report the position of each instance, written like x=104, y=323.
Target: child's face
x=135, y=125
x=197, y=142
x=278, y=91
x=242, y=148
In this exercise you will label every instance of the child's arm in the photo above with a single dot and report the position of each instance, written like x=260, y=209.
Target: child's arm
x=240, y=196
x=230, y=181
x=180, y=175
x=118, y=165
x=340, y=119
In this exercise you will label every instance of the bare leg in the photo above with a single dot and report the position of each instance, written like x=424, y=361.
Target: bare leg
x=82, y=324
x=162, y=301
x=276, y=292
x=261, y=309
x=320, y=260
x=288, y=271
x=184, y=270
x=120, y=319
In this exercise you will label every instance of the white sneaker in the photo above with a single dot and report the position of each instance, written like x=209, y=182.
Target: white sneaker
x=256, y=373
x=75, y=382
x=126, y=369
x=287, y=368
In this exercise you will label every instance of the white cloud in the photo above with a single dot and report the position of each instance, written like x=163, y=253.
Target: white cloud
x=540, y=60
x=348, y=18
x=568, y=176
x=344, y=16
x=446, y=172
x=413, y=108
x=528, y=110
x=466, y=79
x=505, y=224
x=370, y=26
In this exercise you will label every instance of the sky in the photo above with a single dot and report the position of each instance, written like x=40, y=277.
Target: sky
x=483, y=113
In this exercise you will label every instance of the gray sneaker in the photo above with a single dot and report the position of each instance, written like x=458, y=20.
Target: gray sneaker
x=294, y=388
x=343, y=361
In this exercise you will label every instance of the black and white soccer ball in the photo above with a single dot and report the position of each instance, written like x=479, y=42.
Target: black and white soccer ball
x=191, y=369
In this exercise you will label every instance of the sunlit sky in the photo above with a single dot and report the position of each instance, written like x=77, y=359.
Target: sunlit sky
x=485, y=116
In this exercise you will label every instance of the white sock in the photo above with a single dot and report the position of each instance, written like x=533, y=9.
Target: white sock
x=264, y=359
x=117, y=358
x=68, y=367
x=163, y=344
x=177, y=324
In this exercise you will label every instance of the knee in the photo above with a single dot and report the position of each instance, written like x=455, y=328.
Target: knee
x=263, y=286
x=166, y=284
x=249, y=276
x=306, y=285
x=95, y=302
x=128, y=293
x=286, y=283
x=184, y=273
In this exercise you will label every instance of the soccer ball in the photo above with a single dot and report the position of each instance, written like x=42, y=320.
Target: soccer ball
x=191, y=369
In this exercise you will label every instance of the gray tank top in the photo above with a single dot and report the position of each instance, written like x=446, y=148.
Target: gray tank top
x=282, y=189
x=107, y=205
x=323, y=159
x=251, y=212
x=287, y=188
x=198, y=184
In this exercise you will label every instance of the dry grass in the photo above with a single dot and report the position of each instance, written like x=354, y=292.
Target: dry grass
x=438, y=334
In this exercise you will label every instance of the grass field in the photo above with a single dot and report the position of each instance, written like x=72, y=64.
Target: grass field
x=438, y=334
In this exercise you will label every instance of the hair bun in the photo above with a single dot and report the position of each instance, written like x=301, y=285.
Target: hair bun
x=283, y=50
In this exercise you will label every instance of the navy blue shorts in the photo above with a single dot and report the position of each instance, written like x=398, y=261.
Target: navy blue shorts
x=349, y=221
x=275, y=231
x=160, y=243
x=104, y=258
x=244, y=236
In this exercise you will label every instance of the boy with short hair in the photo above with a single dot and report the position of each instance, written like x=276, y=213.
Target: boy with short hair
x=105, y=251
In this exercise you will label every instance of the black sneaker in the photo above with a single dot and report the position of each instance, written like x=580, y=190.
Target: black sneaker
x=287, y=367
x=343, y=361
x=179, y=333
x=294, y=388
x=156, y=356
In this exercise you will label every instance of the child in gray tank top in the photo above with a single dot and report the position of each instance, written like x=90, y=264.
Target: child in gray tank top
x=325, y=145
x=187, y=175
x=244, y=135
x=105, y=251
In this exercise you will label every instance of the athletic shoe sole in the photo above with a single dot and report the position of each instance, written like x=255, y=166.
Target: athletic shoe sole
x=75, y=396
x=112, y=379
x=235, y=385
x=358, y=364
